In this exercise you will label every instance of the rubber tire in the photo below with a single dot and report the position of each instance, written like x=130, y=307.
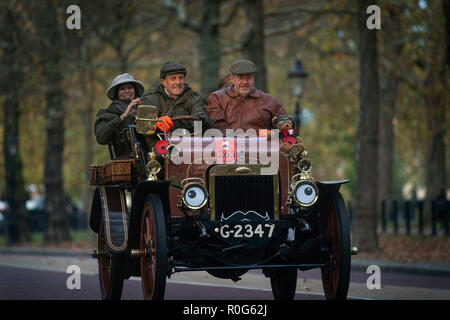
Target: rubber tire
x=153, y=267
x=284, y=283
x=336, y=282
x=110, y=269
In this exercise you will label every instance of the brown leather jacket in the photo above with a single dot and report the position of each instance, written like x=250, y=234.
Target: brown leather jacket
x=228, y=110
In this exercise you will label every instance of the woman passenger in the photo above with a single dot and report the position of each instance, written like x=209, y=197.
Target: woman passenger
x=124, y=93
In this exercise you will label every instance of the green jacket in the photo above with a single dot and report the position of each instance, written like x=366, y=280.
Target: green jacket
x=109, y=124
x=188, y=103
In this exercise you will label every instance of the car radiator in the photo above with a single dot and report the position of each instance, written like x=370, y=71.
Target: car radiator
x=248, y=194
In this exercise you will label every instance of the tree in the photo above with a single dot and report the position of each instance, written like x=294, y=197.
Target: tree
x=124, y=26
x=446, y=7
x=393, y=45
x=50, y=31
x=208, y=29
x=12, y=63
x=253, y=40
x=365, y=197
x=436, y=93
x=427, y=79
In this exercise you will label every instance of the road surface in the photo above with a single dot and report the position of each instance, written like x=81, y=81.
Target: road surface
x=34, y=277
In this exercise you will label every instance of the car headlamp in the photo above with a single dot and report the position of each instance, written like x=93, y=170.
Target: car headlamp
x=305, y=193
x=194, y=196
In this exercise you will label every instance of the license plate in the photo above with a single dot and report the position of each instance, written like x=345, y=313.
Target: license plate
x=226, y=151
x=260, y=230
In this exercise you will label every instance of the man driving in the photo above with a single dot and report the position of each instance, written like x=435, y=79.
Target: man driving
x=174, y=97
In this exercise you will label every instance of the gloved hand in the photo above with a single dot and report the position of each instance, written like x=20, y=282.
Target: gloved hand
x=164, y=122
x=264, y=132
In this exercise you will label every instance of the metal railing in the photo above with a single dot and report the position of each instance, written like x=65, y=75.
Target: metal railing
x=408, y=217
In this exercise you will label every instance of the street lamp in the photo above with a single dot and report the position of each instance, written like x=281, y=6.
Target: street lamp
x=297, y=77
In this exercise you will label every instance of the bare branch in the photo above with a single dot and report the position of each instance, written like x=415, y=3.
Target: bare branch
x=144, y=35
x=225, y=22
x=289, y=27
x=331, y=52
x=183, y=18
x=406, y=77
x=233, y=48
x=300, y=9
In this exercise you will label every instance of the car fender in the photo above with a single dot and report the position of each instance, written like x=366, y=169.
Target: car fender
x=326, y=191
x=109, y=202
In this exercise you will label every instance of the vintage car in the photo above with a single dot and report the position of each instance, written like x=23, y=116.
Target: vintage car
x=216, y=204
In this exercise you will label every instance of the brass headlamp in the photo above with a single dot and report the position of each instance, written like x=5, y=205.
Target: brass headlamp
x=194, y=194
x=305, y=193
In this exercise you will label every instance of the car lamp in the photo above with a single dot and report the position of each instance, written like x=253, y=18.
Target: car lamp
x=194, y=196
x=305, y=193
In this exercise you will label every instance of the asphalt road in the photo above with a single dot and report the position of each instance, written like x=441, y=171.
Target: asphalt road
x=28, y=284
x=45, y=278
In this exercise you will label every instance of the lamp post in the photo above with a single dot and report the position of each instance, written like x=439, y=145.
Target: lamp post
x=297, y=77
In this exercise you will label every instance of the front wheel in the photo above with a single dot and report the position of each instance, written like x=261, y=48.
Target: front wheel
x=284, y=283
x=153, y=242
x=336, y=276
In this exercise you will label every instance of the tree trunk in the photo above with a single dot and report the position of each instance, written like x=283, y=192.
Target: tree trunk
x=446, y=7
x=210, y=54
x=58, y=227
x=253, y=42
x=436, y=102
x=12, y=78
x=51, y=33
x=17, y=215
x=388, y=96
x=436, y=95
x=365, y=202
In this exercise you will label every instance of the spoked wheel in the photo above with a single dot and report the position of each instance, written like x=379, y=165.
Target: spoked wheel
x=153, y=242
x=336, y=277
x=110, y=269
x=284, y=283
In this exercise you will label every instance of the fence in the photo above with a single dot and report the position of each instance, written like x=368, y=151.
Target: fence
x=407, y=217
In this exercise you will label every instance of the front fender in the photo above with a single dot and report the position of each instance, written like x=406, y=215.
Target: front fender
x=327, y=189
x=109, y=203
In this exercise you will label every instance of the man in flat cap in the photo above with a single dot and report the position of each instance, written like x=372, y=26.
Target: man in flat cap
x=241, y=105
x=175, y=98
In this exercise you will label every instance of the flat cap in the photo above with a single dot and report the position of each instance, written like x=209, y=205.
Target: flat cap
x=171, y=68
x=243, y=67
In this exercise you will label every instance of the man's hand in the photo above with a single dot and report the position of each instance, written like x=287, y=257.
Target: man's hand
x=164, y=122
x=130, y=110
